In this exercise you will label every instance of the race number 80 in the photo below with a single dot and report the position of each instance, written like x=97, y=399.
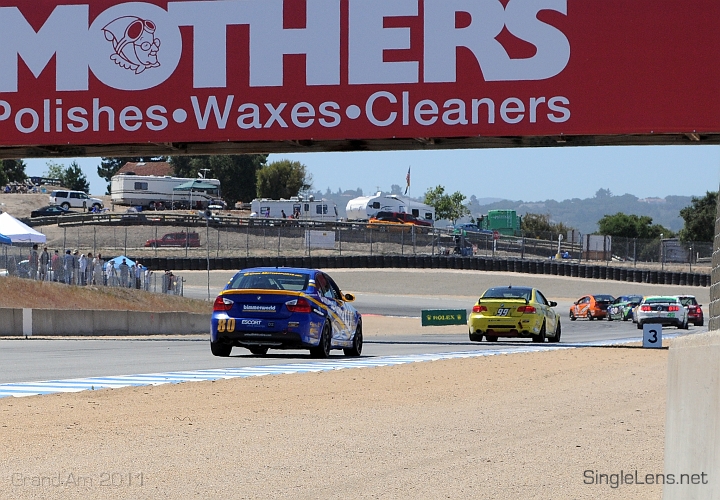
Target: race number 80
x=226, y=325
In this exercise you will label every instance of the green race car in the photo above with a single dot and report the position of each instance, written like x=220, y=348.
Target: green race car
x=622, y=307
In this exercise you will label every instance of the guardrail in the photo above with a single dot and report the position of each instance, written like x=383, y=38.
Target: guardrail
x=525, y=266
x=176, y=219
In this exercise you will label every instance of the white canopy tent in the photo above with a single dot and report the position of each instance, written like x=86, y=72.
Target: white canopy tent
x=19, y=232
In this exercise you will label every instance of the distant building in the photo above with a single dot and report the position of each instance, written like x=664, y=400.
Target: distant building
x=652, y=200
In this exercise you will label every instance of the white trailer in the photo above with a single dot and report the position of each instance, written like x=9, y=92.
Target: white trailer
x=295, y=207
x=148, y=190
x=365, y=207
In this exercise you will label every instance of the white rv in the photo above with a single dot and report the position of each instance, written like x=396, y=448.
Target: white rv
x=148, y=190
x=296, y=208
x=365, y=207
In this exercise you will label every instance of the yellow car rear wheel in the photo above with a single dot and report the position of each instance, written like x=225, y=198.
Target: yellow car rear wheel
x=540, y=338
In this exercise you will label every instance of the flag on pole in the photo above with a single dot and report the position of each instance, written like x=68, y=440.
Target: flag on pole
x=407, y=180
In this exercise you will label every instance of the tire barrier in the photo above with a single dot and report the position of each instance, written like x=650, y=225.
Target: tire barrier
x=562, y=269
x=514, y=265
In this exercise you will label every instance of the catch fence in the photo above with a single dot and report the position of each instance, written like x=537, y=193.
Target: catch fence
x=227, y=237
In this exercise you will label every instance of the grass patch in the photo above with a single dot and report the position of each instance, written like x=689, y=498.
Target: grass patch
x=18, y=293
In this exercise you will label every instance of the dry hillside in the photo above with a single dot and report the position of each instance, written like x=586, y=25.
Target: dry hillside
x=19, y=293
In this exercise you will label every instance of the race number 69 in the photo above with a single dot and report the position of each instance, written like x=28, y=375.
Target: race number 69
x=652, y=336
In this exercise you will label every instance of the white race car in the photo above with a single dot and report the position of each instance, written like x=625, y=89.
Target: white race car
x=661, y=310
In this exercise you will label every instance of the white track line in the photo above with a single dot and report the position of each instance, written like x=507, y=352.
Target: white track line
x=21, y=389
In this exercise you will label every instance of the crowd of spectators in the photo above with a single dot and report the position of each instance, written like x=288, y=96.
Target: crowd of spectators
x=19, y=187
x=75, y=268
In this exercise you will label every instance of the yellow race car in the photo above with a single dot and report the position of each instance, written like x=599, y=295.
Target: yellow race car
x=514, y=312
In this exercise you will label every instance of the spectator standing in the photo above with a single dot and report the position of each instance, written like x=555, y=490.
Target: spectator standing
x=68, y=267
x=98, y=275
x=56, y=264
x=82, y=267
x=138, y=275
x=124, y=273
x=44, y=264
x=147, y=275
x=33, y=262
x=168, y=282
x=76, y=267
x=89, y=269
x=111, y=273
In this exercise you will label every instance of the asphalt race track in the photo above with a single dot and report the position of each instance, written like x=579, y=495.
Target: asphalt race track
x=405, y=294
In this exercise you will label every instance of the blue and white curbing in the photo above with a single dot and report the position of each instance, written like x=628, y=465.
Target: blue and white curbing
x=20, y=389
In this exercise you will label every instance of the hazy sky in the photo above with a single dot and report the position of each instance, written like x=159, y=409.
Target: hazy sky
x=516, y=174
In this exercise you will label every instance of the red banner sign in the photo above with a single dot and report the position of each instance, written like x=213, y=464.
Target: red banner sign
x=109, y=72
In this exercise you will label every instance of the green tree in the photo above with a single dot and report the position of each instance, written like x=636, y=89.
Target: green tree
x=632, y=226
x=603, y=193
x=74, y=178
x=540, y=226
x=282, y=179
x=14, y=170
x=447, y=206
x=700, y=218
x=109, y=166
x=54, y=170
x=3, y=176
x=237, y=173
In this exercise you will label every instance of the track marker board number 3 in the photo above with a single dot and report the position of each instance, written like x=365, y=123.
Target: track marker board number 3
x=652, y=336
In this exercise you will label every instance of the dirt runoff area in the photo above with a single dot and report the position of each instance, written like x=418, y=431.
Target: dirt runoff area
x=504, y=427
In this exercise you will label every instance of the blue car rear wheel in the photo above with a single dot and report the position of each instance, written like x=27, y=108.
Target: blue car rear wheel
x=323, y=348
x=356, y=349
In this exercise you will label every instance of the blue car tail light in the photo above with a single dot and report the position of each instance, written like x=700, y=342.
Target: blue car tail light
x=300, y=305
x=222, y=304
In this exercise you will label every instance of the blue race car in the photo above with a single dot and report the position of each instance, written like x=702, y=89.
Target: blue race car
x=285, y=308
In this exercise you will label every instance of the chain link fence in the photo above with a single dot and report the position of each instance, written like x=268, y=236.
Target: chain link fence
x=220, y=238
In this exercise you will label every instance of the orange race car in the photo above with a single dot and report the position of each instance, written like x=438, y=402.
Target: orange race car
x=590, y=307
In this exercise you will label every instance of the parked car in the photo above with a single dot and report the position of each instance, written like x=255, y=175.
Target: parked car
x=285, y=308
x=590, y=307
x=662, y=310
x=694, y=310
x=622, y=307
x=74, y=199
x=513, y=311
x=50, y=211
x=398, y=218
x=181, y=239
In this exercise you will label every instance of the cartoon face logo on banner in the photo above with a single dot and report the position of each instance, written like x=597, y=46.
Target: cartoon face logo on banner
x=134, y=42
x=124, y=48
